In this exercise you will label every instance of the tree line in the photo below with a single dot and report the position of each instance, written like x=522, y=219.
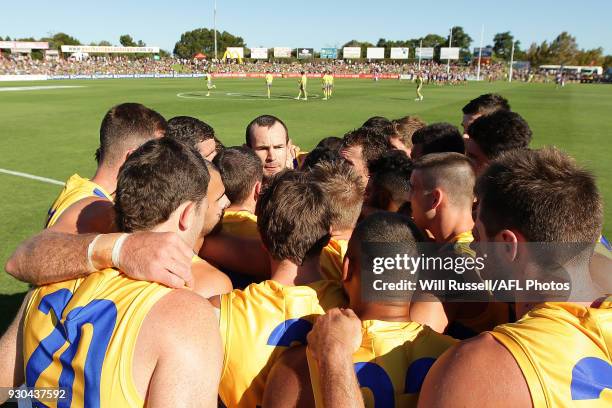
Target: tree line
x=562, y=50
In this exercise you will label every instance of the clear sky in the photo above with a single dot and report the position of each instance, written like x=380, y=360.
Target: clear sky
x=301, y=24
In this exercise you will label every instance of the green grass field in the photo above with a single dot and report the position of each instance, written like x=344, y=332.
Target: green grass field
x=54, y=132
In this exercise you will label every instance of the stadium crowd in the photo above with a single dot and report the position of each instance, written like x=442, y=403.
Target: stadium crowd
x=24, y=65
x=185, y=271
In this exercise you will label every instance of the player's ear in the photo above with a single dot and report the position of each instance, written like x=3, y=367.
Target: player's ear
x=186, y=215
x=256, y=190
x=436, y=198
x=128, y=154
x=508, y=242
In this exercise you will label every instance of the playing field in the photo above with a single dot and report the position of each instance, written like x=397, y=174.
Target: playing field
x=53, y=133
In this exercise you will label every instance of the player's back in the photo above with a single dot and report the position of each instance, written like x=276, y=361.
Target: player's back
x=75, y=189
x=81, y=334
x=563, y=350
x=392, y=362
x=260, y=322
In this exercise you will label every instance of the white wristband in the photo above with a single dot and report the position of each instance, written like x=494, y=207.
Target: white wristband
x=117, y=250
x=90, y=250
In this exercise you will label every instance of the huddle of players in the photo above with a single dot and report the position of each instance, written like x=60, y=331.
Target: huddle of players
x=153, y=199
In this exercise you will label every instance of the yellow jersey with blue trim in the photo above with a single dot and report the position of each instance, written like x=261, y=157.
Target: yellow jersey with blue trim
x=240, y=223
x=75, y=189
x=80, y=335
x=259, y=323
x=392, y=362
x=563, y=350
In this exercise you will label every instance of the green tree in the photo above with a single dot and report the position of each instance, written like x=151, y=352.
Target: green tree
x=127, y=41
x=502, y=46
x=202, y=40
x=460, y=39
x=563, y=49
x=607, y=62
x=59, y=39
x=589, y=57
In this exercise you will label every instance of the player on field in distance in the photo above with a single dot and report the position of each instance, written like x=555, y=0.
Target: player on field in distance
x=303, y=83
x=269, y=80
x=419, y=86
x=209, y=83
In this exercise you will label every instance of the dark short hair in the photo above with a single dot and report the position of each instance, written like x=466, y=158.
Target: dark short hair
x=264, y=121
x=293, y=217
x=240, y=169
x=390, y=176
x=486, y=104
x=155, y=180
x=127, y=126
x=344, y=190
x=405, y=128
x=320, y=155
x=542, y=193
x=450, y=171
x=189, y=130
x=499, y=132
x=381, y=125
x=373, y=144
x=439, y=138
x=388, y=227
x=331, y=142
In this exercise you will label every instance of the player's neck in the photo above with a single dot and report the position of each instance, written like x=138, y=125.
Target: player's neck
x=387, y=312
x=288, y=273
x=344, y=234
x=450, y=224
x=106, y=178
x=246, y=206
x=583, y=291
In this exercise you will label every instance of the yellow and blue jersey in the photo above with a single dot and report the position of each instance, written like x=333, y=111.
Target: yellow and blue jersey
x=240, y=223
x=392, y=362
x=258, y=323
x=75, y=189
x=303, y=81
x=80, y=335
x=269, y=79
x=563, y=350
x=331, y=259
x=493, y=313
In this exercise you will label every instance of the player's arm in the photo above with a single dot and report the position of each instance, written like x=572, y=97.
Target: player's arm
x=237, y=254
x=479, y=372
x=11, y=352
x=288, y=384
x=88, y=215
x=54, y=256
x=187, y=352
x=332, y=341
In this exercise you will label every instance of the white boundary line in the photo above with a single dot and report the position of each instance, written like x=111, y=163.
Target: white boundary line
x=31, y=176
x=38, y=88
x=235, y=96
